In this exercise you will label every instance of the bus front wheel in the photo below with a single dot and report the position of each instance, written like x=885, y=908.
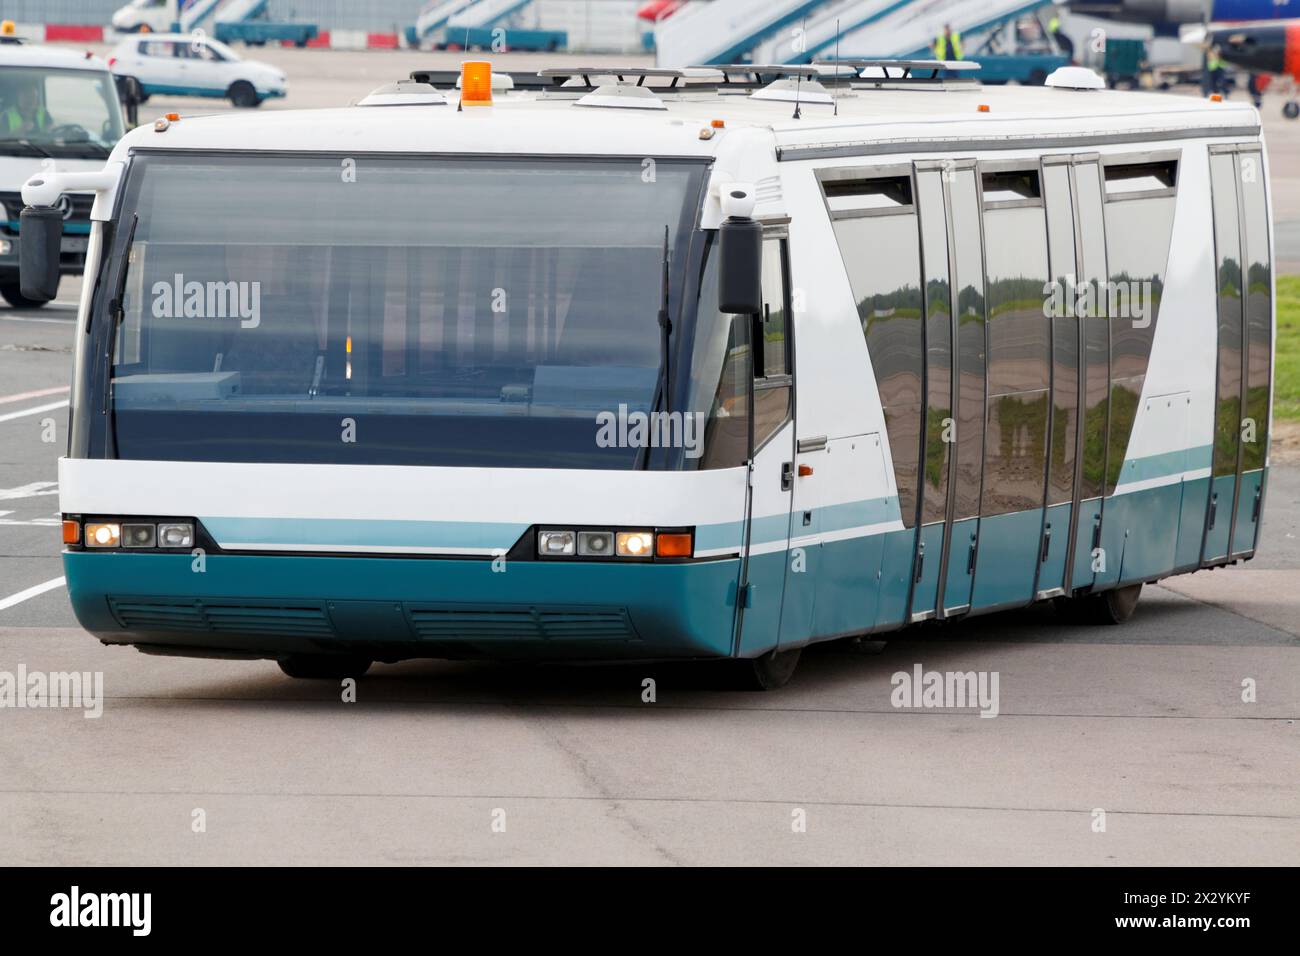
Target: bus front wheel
x=324, y=666
x=768, y=672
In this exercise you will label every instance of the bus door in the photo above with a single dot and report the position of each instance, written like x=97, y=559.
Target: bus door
x=953, y=444
x=1245, y=317
x=776, y=604
x=1071, y=553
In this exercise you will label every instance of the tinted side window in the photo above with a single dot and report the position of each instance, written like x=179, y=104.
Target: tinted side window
x=970, y=343
x=1065, y=338
x=1019, y=357
x=938, y=346
x=1227, y=249
x=882, y=256
x=1259, y=305
x=772, y=359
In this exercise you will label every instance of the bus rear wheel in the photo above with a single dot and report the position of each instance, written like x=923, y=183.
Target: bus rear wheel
x=1109, y=607
x=243, y=95
x=324, y=666
x=774, y=669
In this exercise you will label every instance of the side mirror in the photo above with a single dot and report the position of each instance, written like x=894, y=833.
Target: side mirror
x=130, y=93
x=740, y=267
x=740, y=252
x=40, y=235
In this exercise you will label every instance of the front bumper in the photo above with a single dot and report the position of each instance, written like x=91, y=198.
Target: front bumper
x=397, y=608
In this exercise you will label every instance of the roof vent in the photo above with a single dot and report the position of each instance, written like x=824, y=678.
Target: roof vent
x=794, y=89
x=1075, y=78
x=623, y=96
x=405, y=93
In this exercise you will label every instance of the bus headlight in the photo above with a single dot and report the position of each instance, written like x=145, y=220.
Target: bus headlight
x=105, y=535
x=177, y=535
x=555, y=543
x=635, y=544
x=138, y=535
x=596, y=544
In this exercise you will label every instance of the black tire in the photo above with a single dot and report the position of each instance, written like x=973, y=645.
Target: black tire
x=12, y=294
x=774, y=669
x=1036, y=78
x=324, y=666
x=242, y=95
x=1291, y=109
x=1107, y=608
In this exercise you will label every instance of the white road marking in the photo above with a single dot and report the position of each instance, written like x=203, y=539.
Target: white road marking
x=34, y=411
x=71, y=320
x=35, y=489
x=38, y=393
x=31, y=592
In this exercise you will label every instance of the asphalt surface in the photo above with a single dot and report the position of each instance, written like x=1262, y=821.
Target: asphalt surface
x=442, y=762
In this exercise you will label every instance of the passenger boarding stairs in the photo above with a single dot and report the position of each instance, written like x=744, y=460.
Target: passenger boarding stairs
x=433, y=19
x=204, y=14
x=799, y=31
x=484, y=14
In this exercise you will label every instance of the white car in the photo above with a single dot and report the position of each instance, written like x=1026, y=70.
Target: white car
x=183, y=64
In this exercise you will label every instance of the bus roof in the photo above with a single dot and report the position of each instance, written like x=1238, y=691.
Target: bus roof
x=526, y=122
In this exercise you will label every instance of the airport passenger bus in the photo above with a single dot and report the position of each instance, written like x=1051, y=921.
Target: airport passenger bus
x=709, y=363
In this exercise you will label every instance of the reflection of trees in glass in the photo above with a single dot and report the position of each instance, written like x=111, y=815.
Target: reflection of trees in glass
x=1230, y=278
x=1123, y=413
x=970, y=304
x=1227, y=425
x=936, y=462
x=1015, y=295
x=901, y=303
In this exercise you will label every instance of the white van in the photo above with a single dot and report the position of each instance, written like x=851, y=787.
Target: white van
x=59, y=110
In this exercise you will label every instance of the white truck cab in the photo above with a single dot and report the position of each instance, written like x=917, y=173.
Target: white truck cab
x=59, y=110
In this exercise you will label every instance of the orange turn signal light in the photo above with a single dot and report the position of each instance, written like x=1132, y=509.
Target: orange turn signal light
x=719, y=124
x=71, y=532
x=805, y=471
x=173, y=117
x=983, y=107
x=674, y=544
x=476, y=83
x=1216, y=98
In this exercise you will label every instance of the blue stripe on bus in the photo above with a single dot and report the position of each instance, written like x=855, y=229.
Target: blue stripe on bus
x=1165, y=464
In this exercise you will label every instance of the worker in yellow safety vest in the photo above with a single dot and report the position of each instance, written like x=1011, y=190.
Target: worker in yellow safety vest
x=25, y=114
x=947, y=45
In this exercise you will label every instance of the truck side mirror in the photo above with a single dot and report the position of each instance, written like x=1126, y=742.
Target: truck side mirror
x=40, y=235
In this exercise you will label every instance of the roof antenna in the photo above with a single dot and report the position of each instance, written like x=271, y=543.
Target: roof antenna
x=835, y=98
x=798, y=80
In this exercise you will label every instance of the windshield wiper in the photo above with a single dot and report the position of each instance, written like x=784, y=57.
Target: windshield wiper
x=95, y=149
x=664, y=382
x=28, y=145
x=115, y=312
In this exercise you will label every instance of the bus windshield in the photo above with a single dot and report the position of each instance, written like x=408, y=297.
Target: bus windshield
x=61, y=113
x=382, y=310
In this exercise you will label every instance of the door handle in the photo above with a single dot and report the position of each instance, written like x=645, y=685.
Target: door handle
x=1259, y=496
x=920, y=562
x=787, y=475
x=1214, y=509
x=1047, y=543
x=970, y=560
x=1096, y=532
